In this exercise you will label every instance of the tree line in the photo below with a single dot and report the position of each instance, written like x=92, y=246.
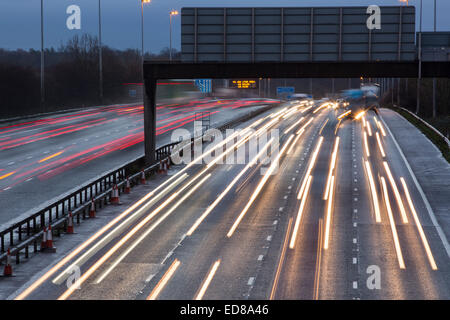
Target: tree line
x=71, y=76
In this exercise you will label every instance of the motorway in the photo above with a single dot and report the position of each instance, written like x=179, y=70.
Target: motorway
x=335, y=214
x=43, y=159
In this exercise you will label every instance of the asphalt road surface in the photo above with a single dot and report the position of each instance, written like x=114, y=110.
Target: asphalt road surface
x=42, y=160
x=335, y=214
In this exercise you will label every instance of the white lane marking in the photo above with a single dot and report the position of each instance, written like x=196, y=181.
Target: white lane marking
x=275, y=222
x=269, y=238
x=29, y=157
x=355, y=260
x=290, y=187
x=251, y=280
x=11, y=163
x=355, y=224
x=422, y=194
x=7, y=188
x=356, y=199
x=355, y=210
x=280, y=209
x=150, y=277
x=260, y=257
x=28, y=179
x=293, y=179
x=285, y=197
x=354, y=240
x=355, y=285
x=356, y=189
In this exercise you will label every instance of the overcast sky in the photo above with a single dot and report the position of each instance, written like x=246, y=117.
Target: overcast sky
x=20, y=19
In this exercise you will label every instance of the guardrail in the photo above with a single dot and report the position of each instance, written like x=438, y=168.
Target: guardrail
x=27, y=233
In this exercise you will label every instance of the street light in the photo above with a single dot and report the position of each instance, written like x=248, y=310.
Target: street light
x=142, y=34
x=172, y=13
x=420, y=62
x=42, y=54
x=100, y=62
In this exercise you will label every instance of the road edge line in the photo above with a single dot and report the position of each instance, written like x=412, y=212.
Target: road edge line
x=422, y=194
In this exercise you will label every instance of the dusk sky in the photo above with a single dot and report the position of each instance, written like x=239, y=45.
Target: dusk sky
x=20, y=19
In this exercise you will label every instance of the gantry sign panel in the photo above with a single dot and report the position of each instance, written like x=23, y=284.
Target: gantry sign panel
x=297, y=34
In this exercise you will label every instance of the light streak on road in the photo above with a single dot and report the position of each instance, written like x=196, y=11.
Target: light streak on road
x=359, y=115
x=310, y=167
x=366, y=145
x=373, y=191
x=344, y=114
x=398, y=249
x=116, y=231
x=207, y=281
x=116, y=247
x=380, y=145
x=380, y=125
x=259, y=187
x=300, y=213
x=318, y=261
x=295, y=141
x=7, y=175
x=280, y=263
x=305, y=125
x=51, y=156
x=323, y=126
x=321, y=107
x=419, y=226
x=293, y=126
x=328, y=217
x=149, y=230
x=227, y=189
x=396, y=193
x=164, y=280
x=369, y=128
x=337, y=127
x=364, y=122
x=332, y=165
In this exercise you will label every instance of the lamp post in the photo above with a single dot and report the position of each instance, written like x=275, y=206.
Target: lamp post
x=420, y=62
x=172, y=13
x=434, y=79
x=100, y=62
x=42, y=55
x=142, y=28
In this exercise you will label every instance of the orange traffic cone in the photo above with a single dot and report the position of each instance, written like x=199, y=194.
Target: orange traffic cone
x=7, y=271
x=44, y=240
x=49, y=246
x=92, y=210
x=143, y=181
x=115, y=195
x=70, y=223
x=127, y=186
x=49, y=237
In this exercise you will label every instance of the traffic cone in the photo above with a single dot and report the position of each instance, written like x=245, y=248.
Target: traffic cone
x=92, y=209
x=7, y=271
x=161, y=167
x=143, y=181
x=49, y=245
x=44, y=240
x=115, y=195
x=70, y=223
x=49, y=237
x=127, y=186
